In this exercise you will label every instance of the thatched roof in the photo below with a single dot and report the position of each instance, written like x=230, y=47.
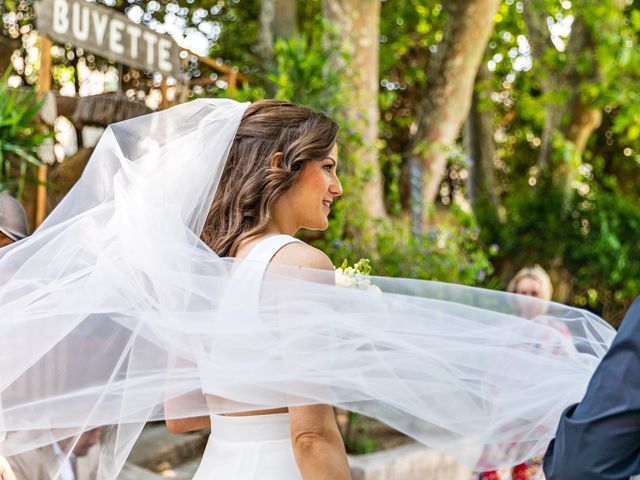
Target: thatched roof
x=101, y=110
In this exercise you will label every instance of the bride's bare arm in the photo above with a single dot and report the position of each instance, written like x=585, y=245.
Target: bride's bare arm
x=175, y=407
x=5, y=470
x=183, y=425
x=317, y=444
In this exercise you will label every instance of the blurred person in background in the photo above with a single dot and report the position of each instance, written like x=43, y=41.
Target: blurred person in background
x=531, y=281
x=13, y=220
x=13, y=227
x=60, y=460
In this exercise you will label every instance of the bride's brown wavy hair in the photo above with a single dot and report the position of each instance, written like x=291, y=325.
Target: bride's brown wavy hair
x=250, y=185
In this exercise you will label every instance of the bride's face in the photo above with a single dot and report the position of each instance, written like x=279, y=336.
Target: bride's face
x=310, y=198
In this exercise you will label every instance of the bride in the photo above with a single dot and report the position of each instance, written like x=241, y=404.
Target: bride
x=270, y=188
x=167, y=285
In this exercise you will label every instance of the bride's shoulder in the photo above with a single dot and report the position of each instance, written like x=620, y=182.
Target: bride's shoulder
x=302, y=255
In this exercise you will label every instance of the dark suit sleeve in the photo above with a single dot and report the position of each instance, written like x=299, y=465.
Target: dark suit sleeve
x=599, y=438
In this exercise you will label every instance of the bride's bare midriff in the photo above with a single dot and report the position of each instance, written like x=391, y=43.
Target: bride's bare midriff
x=219, y=403
x=258, y=412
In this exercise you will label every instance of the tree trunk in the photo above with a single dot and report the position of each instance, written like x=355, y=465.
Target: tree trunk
x=450, y=76
x=583, y=118
x=480, y=149
x=278, y=19
x=358, y=26
x=575, y=119
x=535, y=16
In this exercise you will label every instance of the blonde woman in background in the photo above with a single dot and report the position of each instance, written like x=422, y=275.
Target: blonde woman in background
x=535, y=282
x=530, y=281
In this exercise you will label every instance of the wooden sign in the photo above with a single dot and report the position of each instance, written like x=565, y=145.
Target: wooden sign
x=108, y=33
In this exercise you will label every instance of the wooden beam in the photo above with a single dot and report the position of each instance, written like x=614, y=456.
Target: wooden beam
x=233, y=80
x=218, y=66
x=164, y=103
x=44, y=85
x=44, y=78
x=66, y=106
x=202, y=81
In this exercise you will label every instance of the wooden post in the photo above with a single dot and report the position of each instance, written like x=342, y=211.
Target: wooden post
x=164, y=103
x=233, y=80
x=44, y=85
x=184, y=91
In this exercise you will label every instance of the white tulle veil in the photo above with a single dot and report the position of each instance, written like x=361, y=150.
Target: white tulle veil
x=114, y=313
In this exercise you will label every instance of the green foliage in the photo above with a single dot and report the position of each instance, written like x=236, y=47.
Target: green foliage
x=581, y=237
x=304, y=73
x=605, y=254
x=357, y=439
x=20, y=135
x=361, y=267
x=532, y=229
x=409, y=31
x=449, y=251
x=598, y=241
x=535, y=228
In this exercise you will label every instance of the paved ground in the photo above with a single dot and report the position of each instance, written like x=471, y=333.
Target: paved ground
x=159, y=455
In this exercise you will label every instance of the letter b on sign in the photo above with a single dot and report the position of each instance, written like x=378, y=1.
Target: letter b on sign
x=60, y=16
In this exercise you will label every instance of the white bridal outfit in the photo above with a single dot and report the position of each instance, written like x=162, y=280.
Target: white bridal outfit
x=247, y=448
x=114, y=313
x=252, y=446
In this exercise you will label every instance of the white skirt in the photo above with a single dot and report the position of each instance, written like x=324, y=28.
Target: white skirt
x=256, y=447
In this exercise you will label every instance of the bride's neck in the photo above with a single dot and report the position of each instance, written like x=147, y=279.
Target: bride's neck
x=283, y=219
x=282, y=222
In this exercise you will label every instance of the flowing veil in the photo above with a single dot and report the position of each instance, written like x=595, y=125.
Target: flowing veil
x=114, y=313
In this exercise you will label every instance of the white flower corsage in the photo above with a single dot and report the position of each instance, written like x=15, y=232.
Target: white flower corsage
x=356, y=276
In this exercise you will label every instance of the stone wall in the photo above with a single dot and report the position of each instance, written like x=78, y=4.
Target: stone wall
x=407, y=462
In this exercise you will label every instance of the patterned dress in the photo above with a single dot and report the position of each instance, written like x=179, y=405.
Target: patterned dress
x=530, y=470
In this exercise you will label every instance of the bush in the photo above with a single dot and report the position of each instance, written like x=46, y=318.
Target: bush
x=20, y=135
x=597, y=242
x=448, y=252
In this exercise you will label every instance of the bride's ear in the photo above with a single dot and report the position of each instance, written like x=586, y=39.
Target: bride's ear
x=276, y=159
